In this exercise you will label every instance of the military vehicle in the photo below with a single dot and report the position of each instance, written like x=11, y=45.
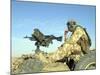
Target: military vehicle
x=87, y=62
x=41, y=39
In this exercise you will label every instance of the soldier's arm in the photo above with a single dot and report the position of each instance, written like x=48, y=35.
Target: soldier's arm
x=65, y=34
x=76, y=35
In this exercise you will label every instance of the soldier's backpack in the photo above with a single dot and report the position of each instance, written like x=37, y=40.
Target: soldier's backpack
x=85, y=43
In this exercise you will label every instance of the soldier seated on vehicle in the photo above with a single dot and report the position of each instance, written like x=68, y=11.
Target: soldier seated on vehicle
x=78, y=43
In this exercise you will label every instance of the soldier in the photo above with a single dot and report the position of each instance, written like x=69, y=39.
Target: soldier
x=78, y=43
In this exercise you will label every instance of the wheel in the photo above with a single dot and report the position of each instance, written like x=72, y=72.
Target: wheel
x=87, y=62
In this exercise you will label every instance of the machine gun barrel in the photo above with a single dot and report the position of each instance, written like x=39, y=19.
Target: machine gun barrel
x=58, y=38
x=26, y=36
x=52, y=37
x=30, y=38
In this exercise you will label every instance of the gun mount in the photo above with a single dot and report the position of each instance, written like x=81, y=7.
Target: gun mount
x=41, y=39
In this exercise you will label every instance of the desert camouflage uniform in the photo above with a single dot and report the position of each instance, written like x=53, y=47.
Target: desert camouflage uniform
x=72, y=48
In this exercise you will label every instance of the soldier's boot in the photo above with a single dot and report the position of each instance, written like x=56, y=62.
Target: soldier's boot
x=71, y=64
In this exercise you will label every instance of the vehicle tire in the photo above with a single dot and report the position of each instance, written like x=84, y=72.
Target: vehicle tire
x=87, y=62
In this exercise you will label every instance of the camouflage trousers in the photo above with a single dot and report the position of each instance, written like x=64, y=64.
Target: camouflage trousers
x=72, y=51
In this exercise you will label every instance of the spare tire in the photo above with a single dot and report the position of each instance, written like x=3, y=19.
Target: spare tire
x=87, y=62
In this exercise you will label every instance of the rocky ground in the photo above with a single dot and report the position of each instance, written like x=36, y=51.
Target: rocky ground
x=36, y=63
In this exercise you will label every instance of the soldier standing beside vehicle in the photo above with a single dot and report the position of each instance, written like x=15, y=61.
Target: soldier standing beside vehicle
x=78, y=43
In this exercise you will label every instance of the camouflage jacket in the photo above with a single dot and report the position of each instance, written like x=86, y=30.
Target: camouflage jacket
x=81, y=37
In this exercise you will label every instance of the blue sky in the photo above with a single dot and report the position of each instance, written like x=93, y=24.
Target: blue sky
x=50, y=19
